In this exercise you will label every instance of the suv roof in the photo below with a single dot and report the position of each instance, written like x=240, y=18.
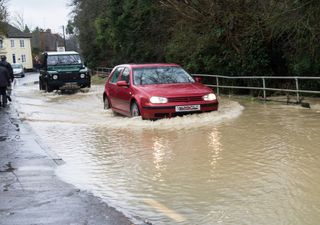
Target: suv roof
x=63, y=53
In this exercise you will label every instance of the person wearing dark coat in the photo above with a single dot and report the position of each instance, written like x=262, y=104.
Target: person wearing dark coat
x=7, y=65
x=4, y=83
x=4, y=63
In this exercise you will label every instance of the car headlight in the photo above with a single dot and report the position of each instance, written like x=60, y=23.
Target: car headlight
x=82, y=75
x=209, y=97
x=155, y=99
x=55, y=77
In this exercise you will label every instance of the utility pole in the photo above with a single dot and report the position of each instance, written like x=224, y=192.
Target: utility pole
x=64, y=38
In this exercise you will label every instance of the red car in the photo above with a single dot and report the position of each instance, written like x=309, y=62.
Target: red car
x=155, y=91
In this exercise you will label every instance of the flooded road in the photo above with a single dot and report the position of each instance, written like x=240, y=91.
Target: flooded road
x=248, y=163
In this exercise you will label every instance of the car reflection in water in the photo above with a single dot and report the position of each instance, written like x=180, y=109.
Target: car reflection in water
x=155, y=91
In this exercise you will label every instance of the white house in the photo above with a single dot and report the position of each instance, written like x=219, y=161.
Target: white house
x=16, y=46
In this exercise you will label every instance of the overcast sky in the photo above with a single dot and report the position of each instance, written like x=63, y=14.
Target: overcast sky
x=42, y=13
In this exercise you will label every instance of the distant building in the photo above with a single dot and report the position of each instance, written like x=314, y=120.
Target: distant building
x=16, y=46
x=46, y=41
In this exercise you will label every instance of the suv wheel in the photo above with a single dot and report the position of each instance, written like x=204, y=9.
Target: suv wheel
x=48, y=88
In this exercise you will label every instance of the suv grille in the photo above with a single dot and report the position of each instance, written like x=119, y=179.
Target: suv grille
x=69, y=77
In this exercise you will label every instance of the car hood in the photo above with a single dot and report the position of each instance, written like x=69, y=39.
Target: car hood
x=175, y=90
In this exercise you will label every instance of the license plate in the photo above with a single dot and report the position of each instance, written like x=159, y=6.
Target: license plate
x=187, y=108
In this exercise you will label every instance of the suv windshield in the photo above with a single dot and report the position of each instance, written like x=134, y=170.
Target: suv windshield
x=63, y=60
x=161, y=75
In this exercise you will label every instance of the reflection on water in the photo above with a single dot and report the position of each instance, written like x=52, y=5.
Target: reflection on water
x=257, y=164
x=160, y=154
x=215, y=147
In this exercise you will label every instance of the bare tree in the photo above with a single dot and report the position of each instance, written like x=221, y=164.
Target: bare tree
x=18, y=20
x=3, y=15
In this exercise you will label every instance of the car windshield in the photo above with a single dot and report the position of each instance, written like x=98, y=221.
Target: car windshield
x=63, y=59
x=161, y=75
x=16, y=66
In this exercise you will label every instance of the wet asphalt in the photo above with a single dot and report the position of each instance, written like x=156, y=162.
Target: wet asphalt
x=30, y=191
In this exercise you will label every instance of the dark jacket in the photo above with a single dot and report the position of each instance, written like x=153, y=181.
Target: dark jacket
x=4, y=77
x=9, y=68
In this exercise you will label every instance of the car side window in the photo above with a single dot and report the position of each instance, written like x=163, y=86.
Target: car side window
x=116, y=75
x=125, y=75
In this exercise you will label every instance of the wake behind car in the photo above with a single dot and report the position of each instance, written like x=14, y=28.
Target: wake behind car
x=64, y=71
x=18, y=70
x=155, y=91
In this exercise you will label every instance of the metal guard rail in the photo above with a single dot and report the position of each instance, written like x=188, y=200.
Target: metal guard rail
x=264, y=88
x=106, y=71
x=102, y=71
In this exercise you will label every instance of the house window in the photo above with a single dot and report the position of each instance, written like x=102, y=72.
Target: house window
x=22, y=43
x=12, y=43
x=1, y=44
x=23, y=58
x=14, y=58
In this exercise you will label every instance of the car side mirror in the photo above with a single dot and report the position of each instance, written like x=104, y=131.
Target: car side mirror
x=198, y=79
x=122, y=83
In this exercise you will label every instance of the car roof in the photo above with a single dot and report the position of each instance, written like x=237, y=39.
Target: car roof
x=149, y=65
x=63, y=53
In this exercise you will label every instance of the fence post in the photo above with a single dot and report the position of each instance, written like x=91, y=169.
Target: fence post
x=297, y=88
x=264, y=88
x=217, y=81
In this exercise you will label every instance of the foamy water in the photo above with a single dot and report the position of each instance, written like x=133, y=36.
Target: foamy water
x=87, y=109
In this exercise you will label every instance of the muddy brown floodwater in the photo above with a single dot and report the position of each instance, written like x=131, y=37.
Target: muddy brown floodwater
x=248, y=163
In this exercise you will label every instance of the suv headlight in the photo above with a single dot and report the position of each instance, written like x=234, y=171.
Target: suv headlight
x=82, y=75
x=209, y=97
x=55, y=77
x=155, y=99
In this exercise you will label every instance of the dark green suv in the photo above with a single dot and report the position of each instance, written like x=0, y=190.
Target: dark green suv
x=63, y=71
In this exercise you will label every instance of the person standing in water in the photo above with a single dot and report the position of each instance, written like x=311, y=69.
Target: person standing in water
x=4, y=83
x=5, y=64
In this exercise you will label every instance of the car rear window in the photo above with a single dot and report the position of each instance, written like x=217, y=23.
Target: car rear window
x=16, y=66
x=115, y=75
x=161, y=75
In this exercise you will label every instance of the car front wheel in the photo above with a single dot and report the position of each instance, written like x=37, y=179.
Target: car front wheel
x=135, y=110
x=106, y=104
